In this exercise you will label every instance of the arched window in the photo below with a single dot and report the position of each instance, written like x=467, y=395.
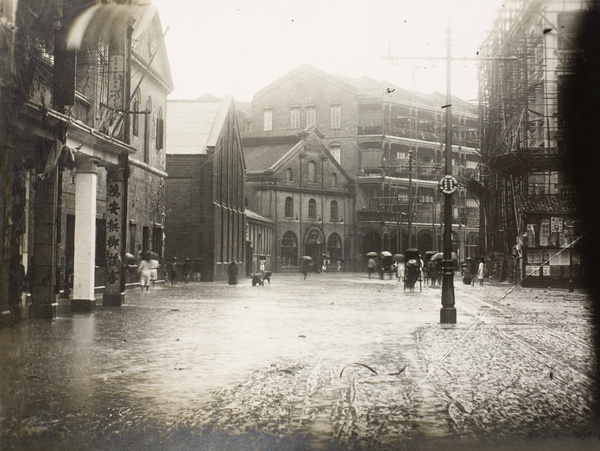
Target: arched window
x=160, y=130
x=334, y=180
x=289, y=207
x=147, y=130
x=135, y=107
x=334, y=215
x=312, y=209
x=312, y=172
x=289, y=175
x=289, y=249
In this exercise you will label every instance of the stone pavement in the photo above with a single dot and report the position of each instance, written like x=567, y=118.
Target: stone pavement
x=335, y=362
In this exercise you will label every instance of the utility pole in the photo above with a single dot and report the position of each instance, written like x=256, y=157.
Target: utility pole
x=448, y=186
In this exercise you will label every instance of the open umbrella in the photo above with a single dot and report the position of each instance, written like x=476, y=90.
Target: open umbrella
x=440, y=256
x=398, y=257
x=307, y=258
x=372, y=254
x=386, y=254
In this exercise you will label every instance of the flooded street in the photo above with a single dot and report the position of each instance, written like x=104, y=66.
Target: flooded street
x=337, y=361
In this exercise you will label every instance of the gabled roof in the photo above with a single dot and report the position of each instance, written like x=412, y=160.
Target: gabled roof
x=265, y=152
x=194, y=126
x=305, y=68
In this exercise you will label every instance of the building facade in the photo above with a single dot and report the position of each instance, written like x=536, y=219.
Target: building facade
x=294, y=180
x=73, y=167
x=390, y=142
x=528, y=203
x=205, y=216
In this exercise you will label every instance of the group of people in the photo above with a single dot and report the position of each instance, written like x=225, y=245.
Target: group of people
x=148, y=270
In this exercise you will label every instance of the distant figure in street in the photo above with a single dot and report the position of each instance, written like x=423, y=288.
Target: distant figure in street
x=187, y=270
x=305, y=267
x=399, y=271
x=261, y=266
x=232, y=272
x=480, y=272
x=371, y=266
x=172, y=271
x=145, y=270
x=154, y=263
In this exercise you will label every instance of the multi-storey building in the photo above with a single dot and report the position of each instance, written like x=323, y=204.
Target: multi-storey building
x=527, y=202
x=83, y=155
x=292, y=179
x=390, y=142
x=205, y=189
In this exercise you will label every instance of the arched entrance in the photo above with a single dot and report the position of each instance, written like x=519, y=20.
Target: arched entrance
x=398, y=247
x=425, y=243
x=314, y=242
x=334, y=247
x=372, y=242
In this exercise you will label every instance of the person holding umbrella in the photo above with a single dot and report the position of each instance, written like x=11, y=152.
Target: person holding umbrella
x=306, y=262
x=371, y=263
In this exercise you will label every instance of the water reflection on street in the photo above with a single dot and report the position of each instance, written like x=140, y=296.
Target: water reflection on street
x=166, y=351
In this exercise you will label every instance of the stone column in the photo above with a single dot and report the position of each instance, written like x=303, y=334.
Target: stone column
x=43, y=276
x=86, y=178
x=114, y=293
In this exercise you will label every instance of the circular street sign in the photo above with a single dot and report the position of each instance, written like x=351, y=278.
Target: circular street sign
x=448, y=184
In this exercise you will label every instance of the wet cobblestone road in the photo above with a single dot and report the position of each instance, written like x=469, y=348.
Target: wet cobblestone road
x=334, y=362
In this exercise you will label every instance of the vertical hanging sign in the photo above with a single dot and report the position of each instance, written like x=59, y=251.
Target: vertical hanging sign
x=115, y=103
x=114, y=238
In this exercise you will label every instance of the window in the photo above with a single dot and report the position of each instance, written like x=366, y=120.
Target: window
x=335, y=151
x=311, y=115
x=334, y=180
x=289, y=175
x=147, y=131
x=334, y=216
x=160, y=130
x=268, y=119
x=135, y=120
x=312, y=172
x=132, y=238
x=295, y=117
x=289, y=249
x=289, y=207
x=312, y=209
x=336, y=112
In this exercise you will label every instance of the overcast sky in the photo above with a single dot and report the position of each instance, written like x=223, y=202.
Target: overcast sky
x=240, y=46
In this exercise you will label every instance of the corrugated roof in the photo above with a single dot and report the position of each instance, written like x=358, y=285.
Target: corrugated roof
x=546, y=204
x=190, y=125
x=261, y=157
x=252, y=215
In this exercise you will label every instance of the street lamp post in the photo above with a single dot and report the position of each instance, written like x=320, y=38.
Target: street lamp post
x=448, y=310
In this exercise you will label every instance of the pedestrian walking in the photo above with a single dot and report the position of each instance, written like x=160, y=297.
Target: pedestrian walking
x=145, y=270
x=187, y=270
x=232, y=272
x=261, y=266
x=481, y=272
x=172, y=271
x=305, y=267
x=399, y=271
x=371, y=265
x=154, y=263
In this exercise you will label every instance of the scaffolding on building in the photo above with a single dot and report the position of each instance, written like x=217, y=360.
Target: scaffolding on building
x=526, y=58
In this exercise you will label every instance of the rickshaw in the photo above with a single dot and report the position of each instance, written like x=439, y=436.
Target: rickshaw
x=412, y=269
